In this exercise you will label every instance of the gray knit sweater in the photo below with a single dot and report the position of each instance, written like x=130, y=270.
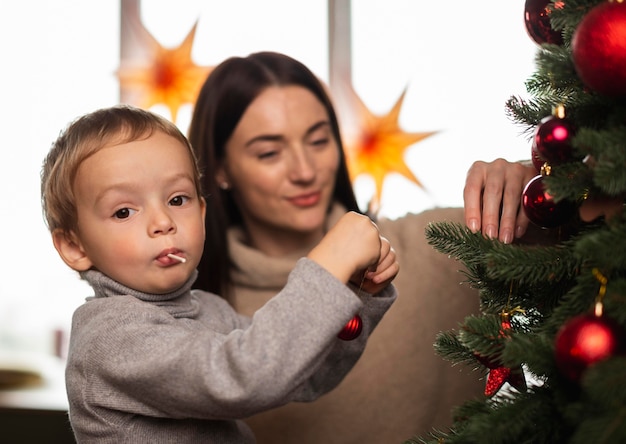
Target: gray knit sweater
x=185, y=368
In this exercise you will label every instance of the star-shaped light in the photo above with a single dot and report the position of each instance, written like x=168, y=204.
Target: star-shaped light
x=161, y=75
x=378, y=145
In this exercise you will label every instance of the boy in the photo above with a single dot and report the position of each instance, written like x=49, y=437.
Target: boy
x=151, y=360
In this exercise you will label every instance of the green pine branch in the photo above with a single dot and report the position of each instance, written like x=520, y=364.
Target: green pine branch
x=543, y=286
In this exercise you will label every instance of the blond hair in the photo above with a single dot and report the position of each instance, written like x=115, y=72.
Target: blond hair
x=84, y=137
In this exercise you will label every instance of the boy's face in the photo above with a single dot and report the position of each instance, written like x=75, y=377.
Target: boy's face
x=136, y=203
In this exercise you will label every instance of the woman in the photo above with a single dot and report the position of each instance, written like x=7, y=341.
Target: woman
x=275, y=175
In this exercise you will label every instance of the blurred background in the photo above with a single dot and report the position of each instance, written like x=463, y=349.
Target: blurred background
x=458, y=61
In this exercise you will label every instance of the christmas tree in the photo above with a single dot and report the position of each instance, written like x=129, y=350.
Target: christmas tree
x=551, y=331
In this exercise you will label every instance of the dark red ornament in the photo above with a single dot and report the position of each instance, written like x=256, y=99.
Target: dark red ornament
x=352, y=329
x=541, y=208
x=599, y=49
x=498, y=373
x=535, y=156
x=552, y=139
x=537, y=21
x=584, y=341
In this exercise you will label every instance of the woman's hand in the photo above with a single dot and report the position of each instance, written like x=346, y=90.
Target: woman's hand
x=601, y=206
x=492, y=196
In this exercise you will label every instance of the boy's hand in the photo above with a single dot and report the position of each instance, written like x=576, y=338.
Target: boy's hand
x=351, y=246
x=385, y=271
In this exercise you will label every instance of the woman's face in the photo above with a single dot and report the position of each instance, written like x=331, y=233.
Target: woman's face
x=281, y=162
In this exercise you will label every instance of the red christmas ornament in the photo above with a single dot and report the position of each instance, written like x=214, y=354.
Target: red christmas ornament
x=535, y=156
x=499, y=374
x=541, y=208
x=552, y=139
x=599, y=49
x=585, y=340
x=537, y=21
x=352, y=329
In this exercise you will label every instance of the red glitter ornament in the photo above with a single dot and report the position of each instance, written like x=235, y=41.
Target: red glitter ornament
x=541, y=208
x=599, y=49
x=552, y=139
x=498, y=373
x=537, y=21
x=352, y=329
x=584, y=341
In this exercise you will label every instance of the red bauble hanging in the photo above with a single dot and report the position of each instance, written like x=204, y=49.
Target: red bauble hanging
x=498, y=373
x=541, y=208
x=584, y=341
x=552, y=139
x=352, y=329
x=599, y=49
x=537, y=21
x=535, y=156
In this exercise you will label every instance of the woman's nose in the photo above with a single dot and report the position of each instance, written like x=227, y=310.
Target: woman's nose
x=302, y=167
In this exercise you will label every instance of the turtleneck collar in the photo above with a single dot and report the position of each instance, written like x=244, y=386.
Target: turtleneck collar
x=254, y=269
x=179, y=303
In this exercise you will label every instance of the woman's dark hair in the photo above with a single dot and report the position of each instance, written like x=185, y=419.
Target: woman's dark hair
x=223, y=99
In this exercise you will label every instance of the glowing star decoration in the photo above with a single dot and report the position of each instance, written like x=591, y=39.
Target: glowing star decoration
x=378, y=145
x=161, y=75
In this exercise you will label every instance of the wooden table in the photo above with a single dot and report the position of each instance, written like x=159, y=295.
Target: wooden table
x=36, y=413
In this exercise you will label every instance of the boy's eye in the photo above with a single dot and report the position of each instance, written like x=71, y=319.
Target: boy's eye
x=123, y=213
x=177, y=201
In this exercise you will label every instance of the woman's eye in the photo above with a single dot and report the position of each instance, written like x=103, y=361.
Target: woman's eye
x=123, y=213
x=177, y=201
x=267, y=154
x=321, y=142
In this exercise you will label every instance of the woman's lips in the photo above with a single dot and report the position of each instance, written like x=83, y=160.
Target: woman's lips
x=306, y=200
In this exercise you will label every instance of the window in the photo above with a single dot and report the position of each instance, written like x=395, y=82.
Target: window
x=60, y=59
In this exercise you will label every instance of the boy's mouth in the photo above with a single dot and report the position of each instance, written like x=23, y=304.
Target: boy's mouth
x=171, y=256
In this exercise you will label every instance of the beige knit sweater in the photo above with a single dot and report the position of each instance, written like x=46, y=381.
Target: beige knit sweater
x=400, y=387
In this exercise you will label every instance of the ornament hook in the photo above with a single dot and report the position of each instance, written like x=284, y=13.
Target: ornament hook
x=601, y=292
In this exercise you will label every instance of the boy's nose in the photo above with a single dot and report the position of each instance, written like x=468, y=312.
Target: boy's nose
x=162, y=223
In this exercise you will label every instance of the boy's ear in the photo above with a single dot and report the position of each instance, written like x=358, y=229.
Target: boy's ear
x=203, y=218
x=71, y=251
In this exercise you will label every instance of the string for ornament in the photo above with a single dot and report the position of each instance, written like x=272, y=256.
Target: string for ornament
x=601, y=292
x=511, y=287
x=358, y=293
x=507, y=312
x=353, y=327
x=498, y=373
